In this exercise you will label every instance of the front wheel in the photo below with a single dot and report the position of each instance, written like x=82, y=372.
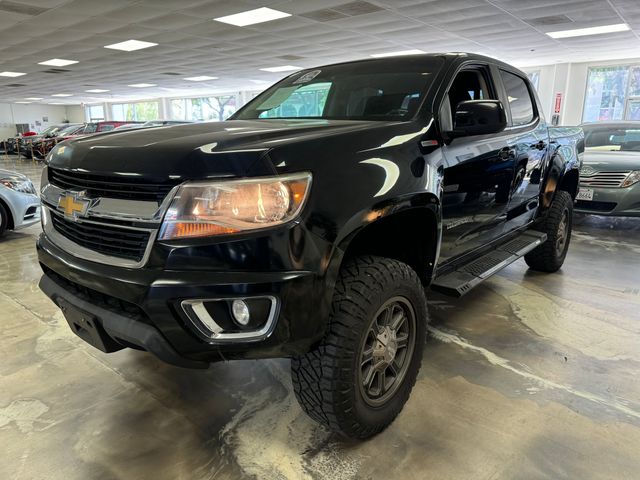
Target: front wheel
x=550, y=256
x=360, y=376
x=4, y=219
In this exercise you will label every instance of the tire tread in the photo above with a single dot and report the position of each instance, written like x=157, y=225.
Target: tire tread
x=321, y=378
x=544, y=258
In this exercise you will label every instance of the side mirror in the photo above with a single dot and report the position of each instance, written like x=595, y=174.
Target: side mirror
x=479, y=117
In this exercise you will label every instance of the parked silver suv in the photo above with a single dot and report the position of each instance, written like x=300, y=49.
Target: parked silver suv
x=19, y=202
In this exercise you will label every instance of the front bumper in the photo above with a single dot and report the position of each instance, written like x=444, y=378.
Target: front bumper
x=622, y=202
x=101, y=327
x=25, y=207
x=154, y=295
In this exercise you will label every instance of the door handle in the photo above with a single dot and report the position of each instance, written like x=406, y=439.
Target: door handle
x=541, y=145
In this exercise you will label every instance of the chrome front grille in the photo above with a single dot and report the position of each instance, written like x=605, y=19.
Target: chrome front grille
x=113, y=231
x=603, y=179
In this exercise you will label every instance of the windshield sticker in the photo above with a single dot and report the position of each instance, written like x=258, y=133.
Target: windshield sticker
x=307, y=77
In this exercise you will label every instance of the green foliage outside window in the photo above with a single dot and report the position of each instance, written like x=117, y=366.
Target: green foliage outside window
x=606, y=94
x=202, y=109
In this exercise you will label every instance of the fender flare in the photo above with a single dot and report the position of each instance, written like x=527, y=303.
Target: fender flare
x=358, y=222
x=563, y=160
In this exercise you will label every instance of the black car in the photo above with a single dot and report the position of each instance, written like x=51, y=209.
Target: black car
x=309, y=225
x=10, y=145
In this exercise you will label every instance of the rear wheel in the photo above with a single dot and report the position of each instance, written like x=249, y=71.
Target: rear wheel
x=359, y=378
x=550, y=256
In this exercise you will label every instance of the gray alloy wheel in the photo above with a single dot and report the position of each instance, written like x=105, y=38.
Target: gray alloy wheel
x=386, y=350
x=563, y=232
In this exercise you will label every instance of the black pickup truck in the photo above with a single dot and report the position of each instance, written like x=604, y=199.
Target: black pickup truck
x=310, y=224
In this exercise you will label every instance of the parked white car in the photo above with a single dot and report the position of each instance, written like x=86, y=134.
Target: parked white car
x=19, y=201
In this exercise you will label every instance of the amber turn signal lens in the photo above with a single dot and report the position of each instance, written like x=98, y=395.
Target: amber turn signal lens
x=185, y=230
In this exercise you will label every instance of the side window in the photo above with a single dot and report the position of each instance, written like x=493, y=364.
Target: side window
x=90, y=128
x=519, y=98
x=470, y=84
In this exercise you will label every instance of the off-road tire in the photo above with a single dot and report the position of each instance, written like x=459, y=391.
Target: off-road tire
x=326, y=380
x=549, y=257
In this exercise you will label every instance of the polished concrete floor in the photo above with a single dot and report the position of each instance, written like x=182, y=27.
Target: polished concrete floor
x=530, y=376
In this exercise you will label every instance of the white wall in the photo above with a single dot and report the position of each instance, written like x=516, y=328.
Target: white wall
x=75, y=113
x=12, y=113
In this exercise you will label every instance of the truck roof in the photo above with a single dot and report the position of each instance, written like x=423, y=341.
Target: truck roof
x=448, y=57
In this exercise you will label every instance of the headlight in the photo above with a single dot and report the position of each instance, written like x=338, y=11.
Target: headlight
x=18, y=184
x=233, y=206
x=633, y=177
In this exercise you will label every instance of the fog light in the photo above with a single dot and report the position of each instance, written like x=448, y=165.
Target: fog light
x=240, y=312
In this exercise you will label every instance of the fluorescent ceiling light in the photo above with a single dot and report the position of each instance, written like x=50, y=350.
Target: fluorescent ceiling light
x=283, y=68
x=251, y=17
x=142, y=85
x=62, y=95
x=97, y=90
x=11, y=74
x=131, y=45
x=57, y=103
x=201, y=78
x=58, y=62
x=33, y=98
x=395, y=54
x=580, y=32
x=22, y=102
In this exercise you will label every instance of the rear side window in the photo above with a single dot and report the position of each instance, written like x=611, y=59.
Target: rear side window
x=519, y=98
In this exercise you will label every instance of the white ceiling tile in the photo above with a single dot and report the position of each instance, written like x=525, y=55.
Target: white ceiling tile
x=191, y=43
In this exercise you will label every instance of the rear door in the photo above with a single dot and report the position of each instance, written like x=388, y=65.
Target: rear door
x=479, y=171
x=528, y=138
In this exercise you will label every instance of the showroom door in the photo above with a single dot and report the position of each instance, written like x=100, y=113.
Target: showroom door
x=478, y=173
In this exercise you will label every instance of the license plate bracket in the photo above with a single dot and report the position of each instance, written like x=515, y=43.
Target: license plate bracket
x=88, y=327
x=585, y=194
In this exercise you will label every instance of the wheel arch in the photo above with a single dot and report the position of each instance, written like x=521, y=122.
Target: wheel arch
x=408, y=231
x=569, y=182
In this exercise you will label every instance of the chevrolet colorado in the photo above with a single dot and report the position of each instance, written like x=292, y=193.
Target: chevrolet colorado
x=310, y=224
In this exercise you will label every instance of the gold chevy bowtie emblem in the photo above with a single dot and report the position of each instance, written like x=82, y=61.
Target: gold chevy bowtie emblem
x=73, y=205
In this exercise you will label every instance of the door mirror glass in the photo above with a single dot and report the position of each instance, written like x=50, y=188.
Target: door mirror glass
x=479, y=117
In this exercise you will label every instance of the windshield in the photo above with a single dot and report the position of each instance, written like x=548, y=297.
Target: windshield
x=50, y=130
x=373, y=90
x=69, y=130
x=612, y=138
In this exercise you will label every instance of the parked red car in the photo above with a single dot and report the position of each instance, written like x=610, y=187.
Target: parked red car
x=42, y=148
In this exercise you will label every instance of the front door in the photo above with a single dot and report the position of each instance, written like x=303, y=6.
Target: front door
x=478, y=175
x=529, y=139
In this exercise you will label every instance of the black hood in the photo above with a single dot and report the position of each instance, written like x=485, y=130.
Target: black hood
x=198, y=151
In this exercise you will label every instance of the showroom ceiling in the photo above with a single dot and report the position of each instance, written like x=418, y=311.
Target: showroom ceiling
x=191, y=44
